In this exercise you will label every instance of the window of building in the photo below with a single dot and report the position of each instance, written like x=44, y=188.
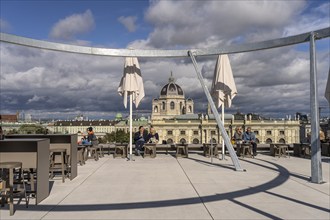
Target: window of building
x=269, y=132
x=256, y=132
x=269, y=141
x=281, y=132
x=282, y=141
x=156, y=109
x=169, y=141
x=169, y=132
x=212, y=132
x=182, y=132
x=189, y=109
x=172, y=105
x=195, y=141
x=214, y=141
x=183, y=141
x=163, y=104
x=196, y=132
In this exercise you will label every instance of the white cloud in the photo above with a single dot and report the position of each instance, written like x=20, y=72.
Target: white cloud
x=218, y=19
x=36, y=98
x=128, y=22
x=69, y=27
x=272, y=82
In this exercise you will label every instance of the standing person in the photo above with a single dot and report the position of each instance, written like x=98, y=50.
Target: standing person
x=238, y=138
x=153, y=136
x=140, y=138
x=250, y=137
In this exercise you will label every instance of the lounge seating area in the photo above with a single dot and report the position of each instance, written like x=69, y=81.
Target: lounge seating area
x=59, y=167
x=167, y=188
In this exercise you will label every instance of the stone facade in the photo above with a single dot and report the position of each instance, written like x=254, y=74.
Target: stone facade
x=175, y=124
x=171, y=102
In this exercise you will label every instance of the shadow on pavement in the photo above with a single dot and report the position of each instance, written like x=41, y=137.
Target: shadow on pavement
x=281, y=178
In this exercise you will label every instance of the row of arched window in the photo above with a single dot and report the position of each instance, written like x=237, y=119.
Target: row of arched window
x=172, y=107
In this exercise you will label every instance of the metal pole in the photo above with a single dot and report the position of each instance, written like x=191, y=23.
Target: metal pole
x=211, y=149
x=130, y=125
x=316, y=162
x=216, y=115
x=223, y=121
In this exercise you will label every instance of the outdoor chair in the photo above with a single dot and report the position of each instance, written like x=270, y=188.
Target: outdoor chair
x=11, y=185
x=81, y=155
x=247, y=150
x=306, y=150
x=120, y=151
x=149, y=150
x=181, y=150
x=94, y=151
x=100, y=150
x=281, y=150
x=209, y=150
x=59, y=162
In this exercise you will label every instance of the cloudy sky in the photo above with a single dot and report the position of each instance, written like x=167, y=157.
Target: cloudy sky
x=274, y=83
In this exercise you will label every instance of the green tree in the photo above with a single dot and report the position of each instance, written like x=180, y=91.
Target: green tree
x=31, y=129
x=119, y=137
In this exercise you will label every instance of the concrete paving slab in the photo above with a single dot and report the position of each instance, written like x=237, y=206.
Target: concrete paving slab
x=185, y=188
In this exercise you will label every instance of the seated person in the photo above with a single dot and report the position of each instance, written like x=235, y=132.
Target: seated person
x=80, y=142
x=153, y=136
x=91, y=136
x=238, y=138
x=322, y=136
x=250, y=138
x=140, y=138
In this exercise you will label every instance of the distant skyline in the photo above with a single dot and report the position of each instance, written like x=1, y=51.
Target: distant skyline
x=273, y=83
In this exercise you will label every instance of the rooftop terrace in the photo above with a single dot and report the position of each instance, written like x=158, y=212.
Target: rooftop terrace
x=186, y=188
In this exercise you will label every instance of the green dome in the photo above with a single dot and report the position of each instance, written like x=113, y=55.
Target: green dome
x=119, y=116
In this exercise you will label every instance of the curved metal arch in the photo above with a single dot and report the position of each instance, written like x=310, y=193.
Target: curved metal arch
x=280, y=42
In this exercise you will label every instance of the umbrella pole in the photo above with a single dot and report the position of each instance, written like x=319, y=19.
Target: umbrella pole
x=223, y=121
x=130, y=126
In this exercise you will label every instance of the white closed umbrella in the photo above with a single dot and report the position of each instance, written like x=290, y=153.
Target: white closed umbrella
x=131, y=85
x=223, y=88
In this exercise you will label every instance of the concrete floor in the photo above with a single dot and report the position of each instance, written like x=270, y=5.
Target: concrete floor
x=185, y=188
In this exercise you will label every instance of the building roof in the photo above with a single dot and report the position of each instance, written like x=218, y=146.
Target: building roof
x=171, y=88
x=85, y=123
x=8, y=118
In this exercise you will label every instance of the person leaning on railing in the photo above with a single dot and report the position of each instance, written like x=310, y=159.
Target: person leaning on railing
x=250, y=137
x=238, y=137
